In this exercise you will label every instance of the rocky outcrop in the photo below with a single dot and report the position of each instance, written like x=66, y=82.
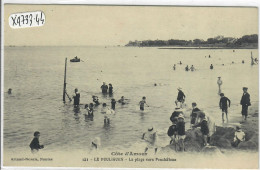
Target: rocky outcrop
x=193, y=140
x=223, y=137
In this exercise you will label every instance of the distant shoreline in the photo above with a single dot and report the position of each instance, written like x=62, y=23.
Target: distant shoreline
x=206, y=48
x=169, y=48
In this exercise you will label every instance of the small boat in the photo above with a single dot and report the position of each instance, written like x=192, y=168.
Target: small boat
x=76, y=59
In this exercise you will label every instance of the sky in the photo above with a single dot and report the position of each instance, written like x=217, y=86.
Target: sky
x=80, y=25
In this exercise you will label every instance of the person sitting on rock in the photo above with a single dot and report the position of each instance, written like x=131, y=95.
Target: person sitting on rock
x=239, y=136
x=194, y=115
x=172, y=133
x=203, y=128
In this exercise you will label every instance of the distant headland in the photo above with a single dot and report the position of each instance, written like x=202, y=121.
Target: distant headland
x=246, y=41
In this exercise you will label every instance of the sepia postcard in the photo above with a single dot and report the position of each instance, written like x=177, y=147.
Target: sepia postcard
x=129, y=86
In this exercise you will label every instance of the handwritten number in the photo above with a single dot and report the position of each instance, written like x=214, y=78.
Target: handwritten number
x=22, y=19
x=26, y=19
x=37, y=19
x=42, y=18
x=18, y=21
x=31, y=19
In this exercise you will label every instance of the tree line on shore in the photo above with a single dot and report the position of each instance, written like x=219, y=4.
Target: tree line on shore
x=218, y=41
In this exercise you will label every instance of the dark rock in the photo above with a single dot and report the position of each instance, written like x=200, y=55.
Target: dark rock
x=255, y=114
x=220, y=142
x=248, y=145
x=193, y=140
x=223, y=137
x=249, y=134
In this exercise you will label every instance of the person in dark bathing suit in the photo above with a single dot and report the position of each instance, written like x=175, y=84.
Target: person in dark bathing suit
x=172, y=133
x=245, y=102
x=110, y=89
x=104, y=88
x=76, y=98
x=204, y=128
x=224, y=106
x=91, y=110
x=194, y=115
x=181, y=132
x=113, y=104
x=142, y=102
x=211, y=67
x=180, y=98
x=35, y=144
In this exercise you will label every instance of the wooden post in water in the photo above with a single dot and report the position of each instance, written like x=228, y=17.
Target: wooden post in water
x=252, y=59
x=64, y=86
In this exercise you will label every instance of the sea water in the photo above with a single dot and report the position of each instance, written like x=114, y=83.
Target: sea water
x=36, y=76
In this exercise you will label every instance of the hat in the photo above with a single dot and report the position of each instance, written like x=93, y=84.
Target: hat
x=177, y=109
x=219, y=77
x=238, y=127
x=179, y=88
x=36, y=133
x=245, y=88
x=151, y=128
x=194, y=104
x=181, y=116
x=96, y=141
